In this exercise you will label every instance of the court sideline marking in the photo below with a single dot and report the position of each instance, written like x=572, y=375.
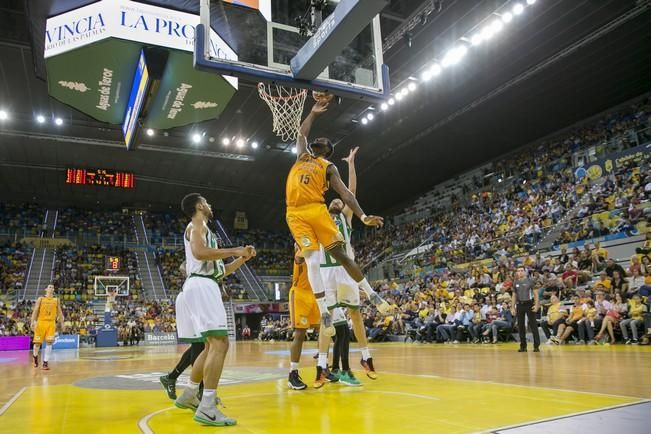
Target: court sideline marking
x=565, y=416
x=12, y=400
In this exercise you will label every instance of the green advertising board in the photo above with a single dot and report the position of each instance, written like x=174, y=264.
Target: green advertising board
x=187, y=96
x=95, y=79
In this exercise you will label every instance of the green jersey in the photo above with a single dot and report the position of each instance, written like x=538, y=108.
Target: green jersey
x=345, y=230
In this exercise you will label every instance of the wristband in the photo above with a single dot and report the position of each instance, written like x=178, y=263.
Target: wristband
x=363, y=217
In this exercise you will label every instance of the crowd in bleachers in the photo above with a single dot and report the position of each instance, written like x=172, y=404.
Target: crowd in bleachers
x=76, y=222
x=25, y=219
x=76, y=266
x=535, y=188
x=14, y=261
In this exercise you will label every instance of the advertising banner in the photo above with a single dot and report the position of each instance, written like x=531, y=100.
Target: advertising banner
x=610, y=164
x=13, y=343
x=66, y=342
x=160, y=338
x=187, y=96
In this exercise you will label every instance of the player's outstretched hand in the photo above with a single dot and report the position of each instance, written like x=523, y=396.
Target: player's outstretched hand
x=250, y=252
x=351, y=156
x=320, y=107
x=373, y=220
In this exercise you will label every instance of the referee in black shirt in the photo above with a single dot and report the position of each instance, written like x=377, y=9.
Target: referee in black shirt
x=525, y=302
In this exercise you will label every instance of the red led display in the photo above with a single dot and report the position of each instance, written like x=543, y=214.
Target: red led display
x=102, y=177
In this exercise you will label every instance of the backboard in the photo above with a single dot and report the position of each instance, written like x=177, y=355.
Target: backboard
x=335, y=46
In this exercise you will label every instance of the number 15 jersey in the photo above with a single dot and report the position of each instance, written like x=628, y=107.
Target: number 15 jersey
x=307, y=181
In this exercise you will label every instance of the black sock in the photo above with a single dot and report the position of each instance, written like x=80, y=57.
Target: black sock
x=196, y=348
x=336, y=348
x=186, y=360
x=345, y=348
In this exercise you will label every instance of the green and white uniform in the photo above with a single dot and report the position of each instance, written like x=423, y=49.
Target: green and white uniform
x=199, y=307
x=341, y=289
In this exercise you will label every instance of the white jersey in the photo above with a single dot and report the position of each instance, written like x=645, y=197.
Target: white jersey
x=194, y=267
x=346, y=231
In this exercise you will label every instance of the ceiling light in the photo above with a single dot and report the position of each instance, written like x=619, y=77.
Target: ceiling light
x=518, y=9
x=294, y=149
x=530, y=2
x=497, y=26
x=196, y=138
x=239, y=143
x=58, y=121
x=254, y=145
x=426, y=75
x=404, y=91
x=384, y=106
x=40, y=119
x=364, y=121
x=398, y=96
x=507, y=17
x=487, y=32
x=411, y=86
x=370, y=116
x=4, y=115
x=435, y=69
x=476, y=39
x=226, y=141
x=150, y=132
x=391, y=101
x=454, y=55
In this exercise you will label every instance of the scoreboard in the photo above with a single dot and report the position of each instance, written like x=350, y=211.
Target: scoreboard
x=112, y=263
x=102, y=177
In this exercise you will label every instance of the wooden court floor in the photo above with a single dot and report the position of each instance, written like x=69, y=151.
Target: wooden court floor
x=420, y=389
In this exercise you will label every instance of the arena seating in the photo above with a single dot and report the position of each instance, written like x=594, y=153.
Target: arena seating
x=14, y=261
x=22, y=219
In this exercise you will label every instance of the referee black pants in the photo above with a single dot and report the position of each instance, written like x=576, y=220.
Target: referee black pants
x=525, y=308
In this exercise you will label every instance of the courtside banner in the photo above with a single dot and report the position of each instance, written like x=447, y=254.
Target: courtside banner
x=12, y=343
x=66, y=342
x=161, y=338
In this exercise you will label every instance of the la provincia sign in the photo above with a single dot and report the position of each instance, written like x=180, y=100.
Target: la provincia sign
x=132, y=21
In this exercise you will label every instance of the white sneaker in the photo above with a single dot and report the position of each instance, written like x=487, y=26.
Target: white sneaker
x=212, y=416
x=455, y=342
x=187, y=400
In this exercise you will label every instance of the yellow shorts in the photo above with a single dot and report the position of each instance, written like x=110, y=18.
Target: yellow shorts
x=303, y=310
x=312, y=225
x=44, y=331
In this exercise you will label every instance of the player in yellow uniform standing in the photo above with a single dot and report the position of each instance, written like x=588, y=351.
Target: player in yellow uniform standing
x=308, y=218
x=46, y=313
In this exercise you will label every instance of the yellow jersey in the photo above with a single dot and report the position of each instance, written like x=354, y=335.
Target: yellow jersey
x=307, y=181
x=300, y=281
x=554, y=313
x=48, y=309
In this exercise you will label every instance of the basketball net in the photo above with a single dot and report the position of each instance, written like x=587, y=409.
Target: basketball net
x=286, y=105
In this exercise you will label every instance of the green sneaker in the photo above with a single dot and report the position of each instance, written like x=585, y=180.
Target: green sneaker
x=348, y=378
x=169, y=385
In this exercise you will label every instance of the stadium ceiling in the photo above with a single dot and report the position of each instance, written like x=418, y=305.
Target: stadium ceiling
x=561, y=62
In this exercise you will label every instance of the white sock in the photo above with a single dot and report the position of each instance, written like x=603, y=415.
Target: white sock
x=208, y=398
x=366, y=287
x=47, y=353
x=323, y=360
x=193, y=386
x=35, y=352
x=366, y=354
x=293, y=366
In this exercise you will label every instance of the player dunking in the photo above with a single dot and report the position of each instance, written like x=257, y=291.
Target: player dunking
x=46, y=313
x=202, y=312
x=308, y=218
x=341, y=289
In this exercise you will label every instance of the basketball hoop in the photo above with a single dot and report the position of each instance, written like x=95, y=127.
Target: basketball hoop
x=286, y=105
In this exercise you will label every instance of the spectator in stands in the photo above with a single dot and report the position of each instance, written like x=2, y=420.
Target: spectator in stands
x=503, y=322
x=465, y=321
x=571, y=324
x=444, y=332
x=634, y=321
x=617, y=310
x=619, y=284
x=555, y=317
x=478, y=320
x=612, y=266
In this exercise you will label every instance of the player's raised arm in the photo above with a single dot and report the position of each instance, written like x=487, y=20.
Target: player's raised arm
x=318, y=108
x=205, y=253
x=352, y=181
x=349, y=198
